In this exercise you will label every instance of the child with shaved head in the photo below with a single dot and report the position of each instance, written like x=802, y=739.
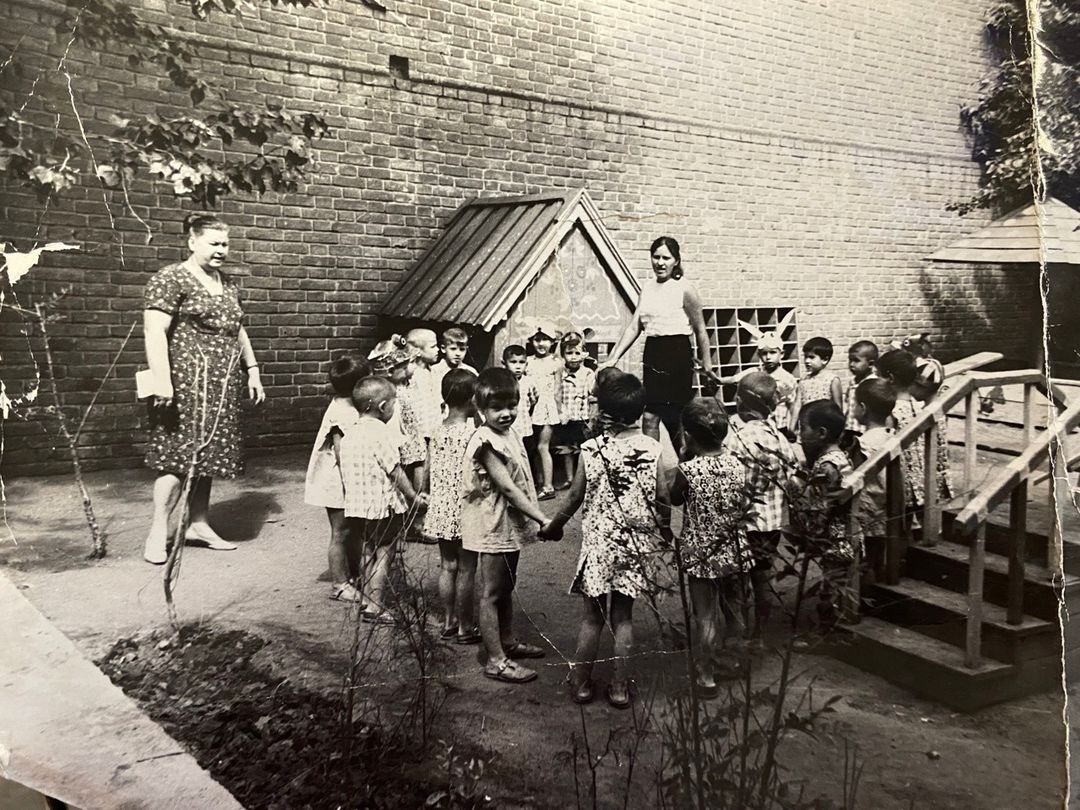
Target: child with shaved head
x=755, y=440
x=378, y=493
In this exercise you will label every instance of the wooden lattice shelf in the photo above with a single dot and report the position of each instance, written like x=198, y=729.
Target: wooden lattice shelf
x=733, y=348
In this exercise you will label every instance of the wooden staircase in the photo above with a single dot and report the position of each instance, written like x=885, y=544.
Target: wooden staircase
x=976, y=616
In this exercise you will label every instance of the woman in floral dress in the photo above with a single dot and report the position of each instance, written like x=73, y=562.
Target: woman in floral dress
x=196, y=348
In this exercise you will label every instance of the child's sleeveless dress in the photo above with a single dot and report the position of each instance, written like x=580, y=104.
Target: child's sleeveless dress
x=442, y=521
x=619, y=521
x=816, y=388
x=413, y=447
x=323, y=485
x=542, y=371
x=830, y=520
x=714, y=537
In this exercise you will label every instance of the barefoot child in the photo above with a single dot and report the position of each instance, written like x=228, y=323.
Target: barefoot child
x=325, y=486
x=713, y=552
x=757, y=442
x=621, y=489
x=442, y=523
x=497, y=512
x=820, y=520
x=543, y=369
x=817, y=383
x=574, y=393
x=378, y=493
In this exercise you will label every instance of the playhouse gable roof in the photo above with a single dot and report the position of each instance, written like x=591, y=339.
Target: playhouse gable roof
x=492, y=251
x=1023, y=236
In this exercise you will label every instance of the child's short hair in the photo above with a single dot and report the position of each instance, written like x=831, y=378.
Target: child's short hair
x=864, y=348
x=822, y=347
x=704, y=421
x=455, y=335
x=622, y=397
x=878, y=397
x=370, y=392
x=824, y=415
x=346, y=372
x=898, y=365
x=571, y=340
x=458, y=387
x=495, y=387
x=757, y=393
x=514, y=350
x=606, y=373
x=420, y=337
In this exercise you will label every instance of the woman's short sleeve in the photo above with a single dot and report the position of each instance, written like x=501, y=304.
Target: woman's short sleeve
x=164, y=292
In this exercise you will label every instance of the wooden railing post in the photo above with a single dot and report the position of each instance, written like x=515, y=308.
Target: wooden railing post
x=1029, y=414
x=976, y=558
x=1017, y=552
x=895, y=519
x=1059, y=498
x=971, y=418
x=931, y=516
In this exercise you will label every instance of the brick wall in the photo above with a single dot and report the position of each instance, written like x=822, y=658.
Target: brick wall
x=802, y=152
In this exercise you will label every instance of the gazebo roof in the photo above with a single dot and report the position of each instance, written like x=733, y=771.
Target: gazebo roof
x=1026, y=235
x=492, y=250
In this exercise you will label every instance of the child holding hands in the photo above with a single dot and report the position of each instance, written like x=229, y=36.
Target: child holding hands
x=713, y=552
x=620, y=486
x=575, y=391
x=497, y=510
x=378, y=493
x=442, y=523
x=325, y=486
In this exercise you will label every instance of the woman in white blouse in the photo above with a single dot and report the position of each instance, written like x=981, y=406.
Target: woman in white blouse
x=668, y=312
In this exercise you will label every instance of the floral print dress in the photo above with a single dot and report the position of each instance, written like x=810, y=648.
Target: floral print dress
x=714, y=538
x=202, y=425
x=442, y=521
x=619, y=522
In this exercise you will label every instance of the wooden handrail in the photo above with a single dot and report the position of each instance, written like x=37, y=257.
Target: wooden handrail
x=997, y=489
x=971, y=362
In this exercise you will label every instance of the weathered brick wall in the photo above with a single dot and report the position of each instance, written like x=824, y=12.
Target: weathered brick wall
x=802, y=152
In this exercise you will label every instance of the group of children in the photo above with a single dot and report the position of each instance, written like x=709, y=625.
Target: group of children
x=412, y=438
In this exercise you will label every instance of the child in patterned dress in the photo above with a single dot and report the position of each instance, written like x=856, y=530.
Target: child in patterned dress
x=497, y=509
x=543, y=369
x=898, y=367
x=324, y=485
x=394, y=359
x=713, y=552
x=929, y=376
x=819, y=519
x=574, y=394
x=818, y=383
x=874, y=402
x=378, y=493
x=442, y=522
x=620, y=486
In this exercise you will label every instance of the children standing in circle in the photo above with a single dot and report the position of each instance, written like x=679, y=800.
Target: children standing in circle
x=497, y=511
x=442, y=523
x=543, y=369
x=818, y=383
x=620, y=486
x=324, y=485
x=713, y=551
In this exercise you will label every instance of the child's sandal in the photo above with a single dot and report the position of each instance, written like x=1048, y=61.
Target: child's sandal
x=509, y=671
x=618, y=694
x=581, y=692
x=545, y=495
x=471, y=637
x=520, y=649
x=347, y=592
x=449, y=633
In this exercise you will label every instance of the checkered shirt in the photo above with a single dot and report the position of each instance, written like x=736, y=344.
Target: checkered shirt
x=769, y=461
x=786, y=384
x=369, y=454
x=426, y=400
x=850, y=422
x=575, y=390
x=527, y=401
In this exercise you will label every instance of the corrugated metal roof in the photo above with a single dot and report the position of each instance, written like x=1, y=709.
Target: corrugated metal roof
x=489, y=254
x=1023, y=236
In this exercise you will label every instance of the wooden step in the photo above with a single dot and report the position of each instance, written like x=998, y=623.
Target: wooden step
x=926, y=666
x=946, y=565
x=942, y=614
x=999, y=541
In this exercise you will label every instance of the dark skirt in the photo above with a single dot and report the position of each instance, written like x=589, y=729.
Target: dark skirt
x=668, y=371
